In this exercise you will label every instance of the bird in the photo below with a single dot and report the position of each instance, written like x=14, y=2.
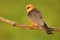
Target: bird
x=36, y=18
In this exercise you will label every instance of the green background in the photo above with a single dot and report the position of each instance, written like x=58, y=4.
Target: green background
x=15, y=10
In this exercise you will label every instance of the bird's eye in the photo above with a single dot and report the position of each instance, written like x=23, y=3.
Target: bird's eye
x=28, y=7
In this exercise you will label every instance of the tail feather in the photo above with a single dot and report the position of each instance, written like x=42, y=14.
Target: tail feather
x=47, y=29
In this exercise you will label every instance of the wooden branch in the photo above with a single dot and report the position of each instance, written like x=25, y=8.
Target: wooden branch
x=24, y=26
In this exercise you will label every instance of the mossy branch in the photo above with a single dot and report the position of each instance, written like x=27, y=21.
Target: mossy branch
x=25, y=26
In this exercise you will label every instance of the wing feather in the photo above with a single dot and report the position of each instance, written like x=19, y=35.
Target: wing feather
x=36, y=17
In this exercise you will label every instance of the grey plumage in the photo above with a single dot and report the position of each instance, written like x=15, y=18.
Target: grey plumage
x=37, y=18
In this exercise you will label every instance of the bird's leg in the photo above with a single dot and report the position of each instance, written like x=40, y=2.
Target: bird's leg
x=33, y=25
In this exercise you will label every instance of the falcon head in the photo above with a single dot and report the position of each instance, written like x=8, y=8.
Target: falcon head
x=29, y=7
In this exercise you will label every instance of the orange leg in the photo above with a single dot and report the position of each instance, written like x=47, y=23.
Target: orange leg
x=32, y=24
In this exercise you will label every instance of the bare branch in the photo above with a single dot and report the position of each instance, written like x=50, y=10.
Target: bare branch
x=24, y=26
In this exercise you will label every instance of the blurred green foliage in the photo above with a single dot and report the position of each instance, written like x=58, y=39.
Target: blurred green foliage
x=15, y=10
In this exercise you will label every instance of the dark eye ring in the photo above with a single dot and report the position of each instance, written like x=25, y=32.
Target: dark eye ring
x=28, y=7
